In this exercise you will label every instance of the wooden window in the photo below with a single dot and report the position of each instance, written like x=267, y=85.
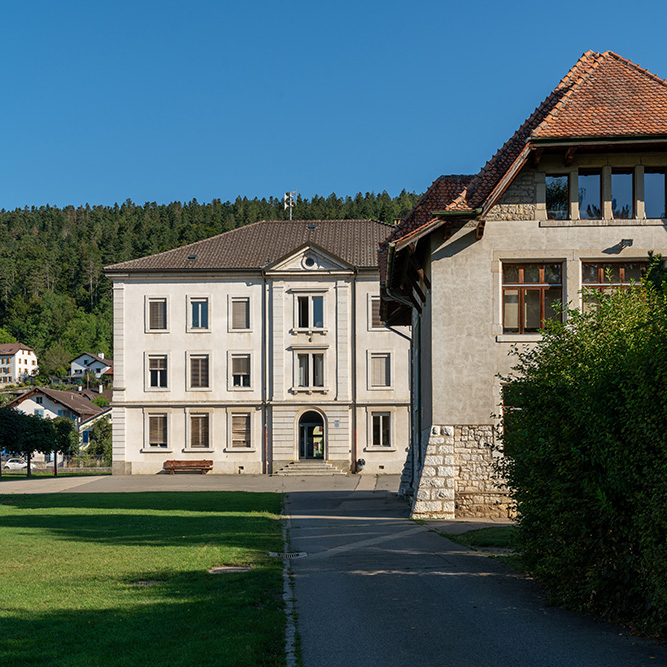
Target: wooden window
x=558, y=196
x=381, y=427
x=241, y=429
x=380, y=369
x=310, y=312
x=199, y=371
x=157, y=371
x=310, y=369
x=376, y=322
x=602, y=276
x=530, y=295
x=240, y=314
x=654, y=192
x=157, y=431
x=590, y=203
x=199, y=430
x=622, y=194
x=157, y=314
x=199, y=313
x=240, y=370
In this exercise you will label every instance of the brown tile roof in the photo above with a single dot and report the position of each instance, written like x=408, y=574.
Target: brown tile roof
x=70, y=399
x=256, y=245
x=103, y=360
x=9, y=349
x=602, y=96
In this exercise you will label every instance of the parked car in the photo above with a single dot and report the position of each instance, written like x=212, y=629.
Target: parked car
x=15, y=464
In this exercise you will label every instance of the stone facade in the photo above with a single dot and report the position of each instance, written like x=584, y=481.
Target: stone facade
x=457, y=477
x=519, y=202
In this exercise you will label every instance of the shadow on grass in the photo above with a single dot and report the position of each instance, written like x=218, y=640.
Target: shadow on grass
x=192, y=618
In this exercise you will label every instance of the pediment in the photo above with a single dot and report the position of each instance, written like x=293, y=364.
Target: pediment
x=309, y=258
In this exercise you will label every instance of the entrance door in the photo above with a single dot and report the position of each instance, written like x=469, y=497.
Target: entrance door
x=311, y=436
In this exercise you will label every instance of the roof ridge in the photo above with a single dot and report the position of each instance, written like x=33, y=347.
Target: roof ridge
x=636, y=66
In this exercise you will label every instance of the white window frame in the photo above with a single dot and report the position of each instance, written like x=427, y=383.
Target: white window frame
x=189, y=413
x=369, y=364
x=147, y=315
x=389, y=412
x=230, y=377
x=148, y=413
x=188, y=378
x=371, y=299
x=198, y=298
x=231, y=298
x=230, y=418
x=310, y=293
x=310, y=351
x=147, y=373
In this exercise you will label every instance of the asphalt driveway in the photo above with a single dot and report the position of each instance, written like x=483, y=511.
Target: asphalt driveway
x=378, y=589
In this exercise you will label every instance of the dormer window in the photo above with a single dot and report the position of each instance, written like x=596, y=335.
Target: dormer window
x=654, y=192
x=589, y=193
x=558, y=196
x=622, y=194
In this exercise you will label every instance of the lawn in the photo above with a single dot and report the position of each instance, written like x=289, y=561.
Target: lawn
x=122, y=579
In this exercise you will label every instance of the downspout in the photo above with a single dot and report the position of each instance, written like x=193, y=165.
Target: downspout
x=354, y=370
x=265, y=362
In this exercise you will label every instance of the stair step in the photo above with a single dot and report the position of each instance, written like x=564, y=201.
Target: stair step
x=309, y=467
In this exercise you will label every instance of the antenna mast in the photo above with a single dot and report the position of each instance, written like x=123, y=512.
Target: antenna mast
x=288, y=202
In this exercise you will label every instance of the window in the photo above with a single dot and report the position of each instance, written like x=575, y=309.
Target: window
x=374, y=315
x=380, y=370
x=622, y=194
x=157, y=314
x=199, y=378
x=558, y=196
x=39, y=412
x=310, y=312
x=654, y=192
x=530, y=294
x=241, y=429
x=381, y=429
x=610, y=275
x=157, y=371
x=240, y=364
x=310, y=369
x=590, y=206
x=240, y=314
x=199, y=313
x=157, y=430
x=39, y=400
x=199, y=430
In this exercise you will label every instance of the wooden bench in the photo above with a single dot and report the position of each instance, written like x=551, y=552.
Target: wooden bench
x=188, y=466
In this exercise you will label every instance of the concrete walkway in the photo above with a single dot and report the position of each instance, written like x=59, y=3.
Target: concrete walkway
x=379, y=590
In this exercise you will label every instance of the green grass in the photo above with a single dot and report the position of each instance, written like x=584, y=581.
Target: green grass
x=70, y=563
x=495, y=537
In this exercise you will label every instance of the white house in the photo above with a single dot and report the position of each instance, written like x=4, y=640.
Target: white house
x=260, y=348
x=18, y=362
x=96, y=364
x=51, y=403
x=575, y=198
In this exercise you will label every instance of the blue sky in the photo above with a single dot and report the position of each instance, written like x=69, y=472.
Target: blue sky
x=163, y=101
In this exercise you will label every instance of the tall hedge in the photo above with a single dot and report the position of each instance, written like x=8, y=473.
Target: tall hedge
x=585, y=438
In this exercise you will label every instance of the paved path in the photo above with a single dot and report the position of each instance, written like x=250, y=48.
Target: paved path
x=379, y=590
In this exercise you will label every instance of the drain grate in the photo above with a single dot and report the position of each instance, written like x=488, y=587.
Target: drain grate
x=227, y=569
x=295, y=554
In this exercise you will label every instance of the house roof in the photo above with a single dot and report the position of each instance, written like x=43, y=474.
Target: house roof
x=604, y=96
x=256, y=245
x=103, y=360
x=9, y=349
x=69, y=399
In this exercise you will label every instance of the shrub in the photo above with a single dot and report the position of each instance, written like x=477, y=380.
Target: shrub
x=585, y=437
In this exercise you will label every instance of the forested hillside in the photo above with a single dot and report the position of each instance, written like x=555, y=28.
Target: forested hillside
x=53, y=295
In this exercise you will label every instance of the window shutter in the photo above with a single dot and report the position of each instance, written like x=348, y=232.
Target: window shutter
x=380, y=370
x=199, y=371
x=241, y=365
x=241, y=430
x=376, y=322
x=199, y=431
x=158, y=314
x=157, y=430
x=240, y=314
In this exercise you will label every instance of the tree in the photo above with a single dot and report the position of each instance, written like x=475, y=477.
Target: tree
x=101, y=442
x=26, y=434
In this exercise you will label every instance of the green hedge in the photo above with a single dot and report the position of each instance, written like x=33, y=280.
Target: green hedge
x=585, y=437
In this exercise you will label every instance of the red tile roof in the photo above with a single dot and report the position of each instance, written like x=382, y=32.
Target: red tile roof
x=69, y=399
x=256, y=245
x=602, y=96
x=9, y=349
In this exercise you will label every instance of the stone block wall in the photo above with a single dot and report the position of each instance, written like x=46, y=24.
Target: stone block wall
x=456, y=477
x=519, y=201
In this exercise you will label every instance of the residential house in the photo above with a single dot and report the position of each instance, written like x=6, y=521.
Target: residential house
x=18, y=363
x=575, y=198
x=260, y=348
x=51, y=403
x=86, y=425
x=95, y=364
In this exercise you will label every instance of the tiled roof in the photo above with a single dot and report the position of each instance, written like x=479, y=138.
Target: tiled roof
x=70, y=399
x=9, y=349
x=602, y=96
x=103, y=360
x=256, y=245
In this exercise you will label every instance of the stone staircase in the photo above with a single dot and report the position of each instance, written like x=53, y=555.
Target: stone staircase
x=309, y=467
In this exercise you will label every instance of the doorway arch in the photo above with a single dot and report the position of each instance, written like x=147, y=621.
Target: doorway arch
x=311, y=435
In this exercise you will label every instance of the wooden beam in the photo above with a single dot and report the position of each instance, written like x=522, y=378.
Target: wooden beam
x=537, y=156
x=569, y=156
x=479, y=231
